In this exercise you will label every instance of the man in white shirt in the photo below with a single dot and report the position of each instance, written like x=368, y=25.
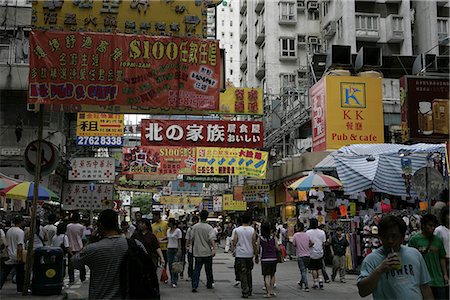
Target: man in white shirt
x=318, y=237
x=189, y=246
x=245, y=244
x=16, y=243
x=443, y=232
x=50, y=228
x=75, y=233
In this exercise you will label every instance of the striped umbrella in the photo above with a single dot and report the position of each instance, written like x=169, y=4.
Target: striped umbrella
x=6, y=183
x=315, y=180
x=24, y=191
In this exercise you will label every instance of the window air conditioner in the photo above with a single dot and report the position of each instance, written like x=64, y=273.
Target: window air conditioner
x=312, y=5
x=313, y=40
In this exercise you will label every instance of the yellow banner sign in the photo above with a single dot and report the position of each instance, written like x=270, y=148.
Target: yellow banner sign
x=231, y=161
x=228, y=203
x=180, y=200
x=100, y=124
x=242, y=101
x=157, y=18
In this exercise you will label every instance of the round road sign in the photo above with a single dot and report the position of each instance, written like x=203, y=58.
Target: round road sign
x=49, y=157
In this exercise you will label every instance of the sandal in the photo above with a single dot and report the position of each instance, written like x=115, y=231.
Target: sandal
x=266, y=296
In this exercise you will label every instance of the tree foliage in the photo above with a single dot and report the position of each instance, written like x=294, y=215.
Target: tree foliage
x=144, y=202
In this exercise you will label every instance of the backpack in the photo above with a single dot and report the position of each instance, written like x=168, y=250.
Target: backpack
x=138, y=277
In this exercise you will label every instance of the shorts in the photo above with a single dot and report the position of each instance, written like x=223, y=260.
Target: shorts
x=268, y=268
x=315, y=264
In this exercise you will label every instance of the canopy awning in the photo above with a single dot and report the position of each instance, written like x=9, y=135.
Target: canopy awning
x=326, y=164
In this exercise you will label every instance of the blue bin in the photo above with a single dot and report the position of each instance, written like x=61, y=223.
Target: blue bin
x=48, y=270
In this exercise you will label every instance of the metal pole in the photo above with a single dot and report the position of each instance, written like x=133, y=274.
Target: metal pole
x=37, y=179
x=427, y=190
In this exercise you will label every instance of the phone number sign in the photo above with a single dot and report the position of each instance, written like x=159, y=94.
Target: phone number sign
x=100, y=124
x=99, y=140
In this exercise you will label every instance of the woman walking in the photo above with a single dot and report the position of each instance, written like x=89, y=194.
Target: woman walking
x=269, y=246
x=174, y=236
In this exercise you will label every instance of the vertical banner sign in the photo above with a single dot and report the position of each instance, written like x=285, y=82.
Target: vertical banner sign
x=79, y=196
x=242, y=101
x=238, y=193
x=202, y=133
x=228, y=203
x=159, y=160
x=231, y=161
x=100, y=129
x=217, y=203
x=353, y=112
x=116, y=69
x=425, y=109
x=92, y=168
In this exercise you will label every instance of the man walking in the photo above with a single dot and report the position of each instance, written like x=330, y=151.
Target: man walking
x=74, y=233
x=189, y=247
x=302, y=243
x=203, y=238
x=50, y=228
x=15, y=237
x=159, y=229
x=339, y=246
x=318, y=237
x=245, y=243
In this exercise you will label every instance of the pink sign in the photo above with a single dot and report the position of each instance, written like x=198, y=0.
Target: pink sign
x=318, y=121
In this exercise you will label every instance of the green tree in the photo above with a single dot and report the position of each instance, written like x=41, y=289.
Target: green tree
x=143, y=201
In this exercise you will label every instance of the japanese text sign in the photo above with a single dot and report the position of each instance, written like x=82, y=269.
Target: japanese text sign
x=242, y=101
x=78, y=196
x=231, y=161
x=92, y=168
x=159, y=160
x=202, y=133
x=425, y=108
x=116, y=69
x=228, y=203
x=180, y=200
x=351, y=112
x=99, y=124
x=149, y=17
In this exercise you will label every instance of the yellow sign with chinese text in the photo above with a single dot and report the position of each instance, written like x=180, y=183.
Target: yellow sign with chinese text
x=180, y=200
x=100, y=124
x=354, y=111
x=148, y=17
x=242, y=101
x=228, y=203
x=231, y=161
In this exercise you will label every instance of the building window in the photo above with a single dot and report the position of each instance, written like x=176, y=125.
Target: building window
x=340, y=28
x=366, y=22
x=231, y=46
x=313, y=15
x=231, y=71
x=324, y=8
x=231, y=23
x=223, y=34
x=287, y=47
x=397, y=23
x=231, y=59
x=287, y=81
x=231, y=34
x=223, y=22
x=287, y=11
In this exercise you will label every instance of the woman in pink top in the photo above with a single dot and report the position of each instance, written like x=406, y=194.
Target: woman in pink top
x=302, y=242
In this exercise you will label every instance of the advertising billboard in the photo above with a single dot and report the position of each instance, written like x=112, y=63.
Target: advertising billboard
x=161, y=18
x=352, y=110
x=117, y=69
x=228, y=203
x=180, y=200
x=213, y=133
x=242, y=101
x=99, y=129
x=424, y=108
x=87, y=196
x=92, y=168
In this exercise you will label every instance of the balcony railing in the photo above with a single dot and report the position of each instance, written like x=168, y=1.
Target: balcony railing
x=367, y=27
x=394, y=29
x=443, y=29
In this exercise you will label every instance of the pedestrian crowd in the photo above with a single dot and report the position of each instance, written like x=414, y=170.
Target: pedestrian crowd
x=157, y=250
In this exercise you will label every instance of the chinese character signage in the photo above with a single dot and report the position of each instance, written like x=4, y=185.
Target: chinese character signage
x=179, y=186
x=99, y=124
x=346, y=110
x=180, y=200
x=202, y=133
x=217, y=203
x=159, y=160
x=79, y=196
x=425, y=109
x=228, y=203
x=256, y=193
x=242, y=101
x=149, y=17
x=115, y=69
x=231, y=161
x=92, y=168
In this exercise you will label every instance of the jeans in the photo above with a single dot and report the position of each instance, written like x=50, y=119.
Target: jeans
x=324, y=271
x=190, y=257
x=199, y=262
x=236, y=271
x=438, y=292
x=71, y=270
x=245, y=267
x=171, y=258
x=303, y=265
x=20, y=274
x=338, y=265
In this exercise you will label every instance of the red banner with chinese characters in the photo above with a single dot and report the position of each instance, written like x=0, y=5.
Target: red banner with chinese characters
x=117, y=69
x=159, y=160
x=213, y=133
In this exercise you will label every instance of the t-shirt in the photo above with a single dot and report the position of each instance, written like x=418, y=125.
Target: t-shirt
x=75, y=233
x=160, y=231
x=318, y=237
x=51, y=232
x=39, y=238
x=244, y=246
x=57, y=240
x=402, y=284
x=14, y=236
x=189, y=238
x=444, y=234
x=202, y=234
x=339, y=245
x=432, y=257
x=103, y=259
x=301, y=243
x=172, y=238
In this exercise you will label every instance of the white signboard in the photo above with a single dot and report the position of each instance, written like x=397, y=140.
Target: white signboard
x=78, y=196
x=92, y=168
x=217, y=203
